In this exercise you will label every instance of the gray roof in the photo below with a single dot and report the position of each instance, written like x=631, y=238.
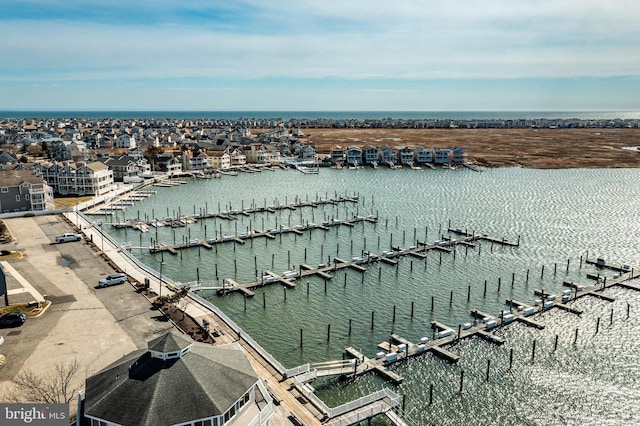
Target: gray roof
x=141, y=390
x=169, y=342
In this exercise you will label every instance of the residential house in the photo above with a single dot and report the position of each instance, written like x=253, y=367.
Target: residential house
x=371, y=154
x=389, y=155
x=337, y=155
x=22, y=190
x=126, y=166
x=168, y=163
x=443, y=155
x=407, y=155
x=7, y=158
x=308, y=153
x=69, y=178
x=199, y=161
x=424, y=155
x=354, y=155
x=238, y=158
x=125, y=141
x=220, y=160
x=458, y=154
x=177, y=381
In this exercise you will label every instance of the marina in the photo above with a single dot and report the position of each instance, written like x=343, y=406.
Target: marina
x=446, y=285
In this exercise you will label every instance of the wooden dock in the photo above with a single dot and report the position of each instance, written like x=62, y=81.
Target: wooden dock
x=233, y=214
x=242, y=238
x=473, y=236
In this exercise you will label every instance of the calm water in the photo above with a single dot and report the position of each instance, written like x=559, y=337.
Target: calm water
x=559, y=216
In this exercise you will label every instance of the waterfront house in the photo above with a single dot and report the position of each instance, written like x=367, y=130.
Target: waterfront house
x=407, y=155
x=424, y=155
x=308, y=154
x=125, y=167
x=168, y=163
x=177, y=381
x=443, y=155
x=337, y=155
x=370, y=154
x=354, y=155
x=199, y=161
x=238, y=158
x=22, y=190
x=79, y=179
x=389, y=155
x=220, y=160
x=458, y=154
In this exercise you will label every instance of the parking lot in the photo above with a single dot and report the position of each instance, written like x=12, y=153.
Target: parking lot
x=95, y=326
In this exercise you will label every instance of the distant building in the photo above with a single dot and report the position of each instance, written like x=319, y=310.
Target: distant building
x=77, y=179
x=21, y=190
x=177, y=381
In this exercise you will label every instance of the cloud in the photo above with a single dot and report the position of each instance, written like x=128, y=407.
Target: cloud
x=217, y=43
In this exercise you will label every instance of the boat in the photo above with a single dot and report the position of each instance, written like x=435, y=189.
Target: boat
x=307, y=170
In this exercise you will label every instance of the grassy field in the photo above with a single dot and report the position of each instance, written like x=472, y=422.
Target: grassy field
x=531, y=148
x=62, y=203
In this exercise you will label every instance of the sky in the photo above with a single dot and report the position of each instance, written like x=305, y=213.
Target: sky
x=326, y=55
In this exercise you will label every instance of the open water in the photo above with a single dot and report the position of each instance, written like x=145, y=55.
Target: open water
x=558, y=215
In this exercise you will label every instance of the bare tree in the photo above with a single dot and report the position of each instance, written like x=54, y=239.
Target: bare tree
x=53, y=387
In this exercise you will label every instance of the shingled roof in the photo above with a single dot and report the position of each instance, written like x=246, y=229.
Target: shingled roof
x=140, y=389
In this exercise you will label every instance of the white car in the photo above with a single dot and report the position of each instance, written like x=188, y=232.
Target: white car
x=69, y=236
x=113, y=279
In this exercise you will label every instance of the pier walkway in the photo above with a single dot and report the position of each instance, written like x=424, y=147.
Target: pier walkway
x=232, y=214
x=398, y=349
x=158, y=247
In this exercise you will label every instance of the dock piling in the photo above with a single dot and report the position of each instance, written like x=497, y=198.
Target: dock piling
x=373, y=314
x=486, y=379
x=328, y=332
x=575, y=339
x=598, y=325
x=461, y=381
x=533, y=351
x=485, y=289
x=611, y=317
x=349, y=326
x=264, y=300
x=555, y=343
x=468, y=293
x=430, y=393
x=510, y=358
x=300, y=338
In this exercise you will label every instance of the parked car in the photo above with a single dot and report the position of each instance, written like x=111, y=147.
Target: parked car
x=12, y=319
x=113, y=279
x=69, y=236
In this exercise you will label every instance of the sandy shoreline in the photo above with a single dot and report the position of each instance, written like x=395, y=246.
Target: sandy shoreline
x=531, y=148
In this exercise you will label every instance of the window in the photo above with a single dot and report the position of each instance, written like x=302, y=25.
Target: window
x=4, y=189
x=17, y=197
